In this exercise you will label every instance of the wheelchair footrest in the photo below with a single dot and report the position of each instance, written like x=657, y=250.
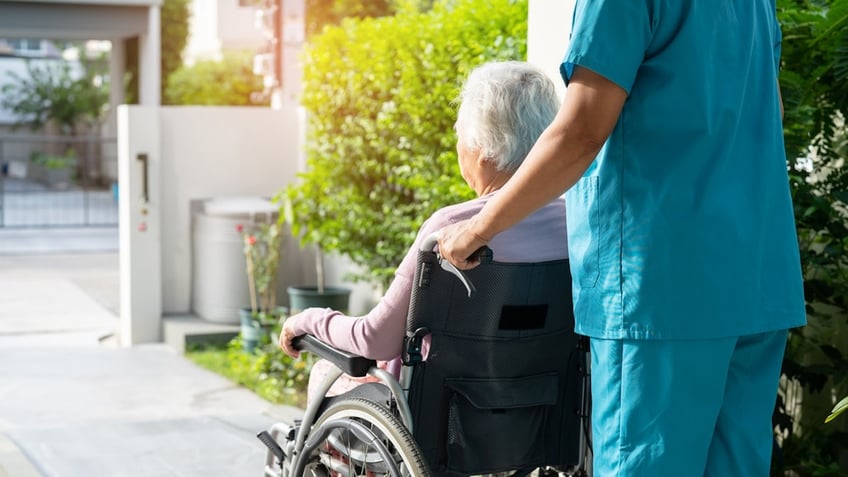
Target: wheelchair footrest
x=272, y=445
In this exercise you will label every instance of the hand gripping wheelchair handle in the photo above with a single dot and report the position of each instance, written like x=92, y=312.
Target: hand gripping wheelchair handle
x=351, y=364
x=483, y=254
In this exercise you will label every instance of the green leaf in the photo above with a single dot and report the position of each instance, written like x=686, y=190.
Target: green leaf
x=841, y=195
x=840, y=407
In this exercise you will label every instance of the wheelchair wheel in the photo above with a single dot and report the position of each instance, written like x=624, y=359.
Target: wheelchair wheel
x=361, y=438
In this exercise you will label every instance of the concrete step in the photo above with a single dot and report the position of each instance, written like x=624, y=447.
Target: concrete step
x=182, y=330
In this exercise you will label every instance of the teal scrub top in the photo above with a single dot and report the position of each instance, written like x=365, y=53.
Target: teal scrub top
x=683, y=227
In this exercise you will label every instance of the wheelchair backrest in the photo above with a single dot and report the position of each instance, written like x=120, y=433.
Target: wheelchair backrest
x=500, y=388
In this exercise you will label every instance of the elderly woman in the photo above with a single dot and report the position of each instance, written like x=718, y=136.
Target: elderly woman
x=504, y=107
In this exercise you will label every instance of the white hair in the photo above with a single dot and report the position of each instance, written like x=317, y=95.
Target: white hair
x=504, y=107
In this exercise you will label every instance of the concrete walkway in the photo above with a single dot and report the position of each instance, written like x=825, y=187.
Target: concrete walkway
x=72, y=404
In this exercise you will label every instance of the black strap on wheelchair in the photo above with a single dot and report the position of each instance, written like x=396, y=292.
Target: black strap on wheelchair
x=412, y=346
x=583, y=343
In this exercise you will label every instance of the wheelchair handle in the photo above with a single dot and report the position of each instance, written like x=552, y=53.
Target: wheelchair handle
x=356, y=366
x=483, y=254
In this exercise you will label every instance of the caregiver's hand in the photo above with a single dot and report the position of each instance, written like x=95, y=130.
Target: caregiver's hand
x=458, y=241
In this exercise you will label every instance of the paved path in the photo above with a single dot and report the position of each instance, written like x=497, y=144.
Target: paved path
x=72, y=404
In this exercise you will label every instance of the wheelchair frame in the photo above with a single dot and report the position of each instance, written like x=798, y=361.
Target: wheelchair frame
x=294, y=451
x=290, y=446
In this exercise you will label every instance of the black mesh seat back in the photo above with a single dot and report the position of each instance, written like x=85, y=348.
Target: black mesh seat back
x=500, y=389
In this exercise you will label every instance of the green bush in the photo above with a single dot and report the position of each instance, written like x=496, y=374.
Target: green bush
x=228, y=82
x=381, y=150
x=55, y=92
x=51, y=161
x=814, y=84
x=267, y=371
x=174, y=30
x=321, y=13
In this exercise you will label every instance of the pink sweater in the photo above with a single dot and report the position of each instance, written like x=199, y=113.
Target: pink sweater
x=379, y=334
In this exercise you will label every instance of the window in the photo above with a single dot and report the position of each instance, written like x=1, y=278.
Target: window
x=25, y=45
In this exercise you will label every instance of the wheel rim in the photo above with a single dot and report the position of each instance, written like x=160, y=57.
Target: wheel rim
x=373, y=443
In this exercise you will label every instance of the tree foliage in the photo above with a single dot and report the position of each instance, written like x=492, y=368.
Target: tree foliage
x=55, y=92
x=814, y=84
x=228, y=82
x=174, y=29
x=381, y=149
x=321, y=13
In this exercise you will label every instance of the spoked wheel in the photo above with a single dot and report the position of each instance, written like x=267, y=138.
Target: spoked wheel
x=359, y=438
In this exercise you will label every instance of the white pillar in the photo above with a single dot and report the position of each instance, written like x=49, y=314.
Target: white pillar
x=117, y=70
x=548, y=31
x=290, y=48
x=139, y=225
x=149, y=61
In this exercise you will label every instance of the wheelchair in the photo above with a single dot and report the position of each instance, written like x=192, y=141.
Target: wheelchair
x=503, y=390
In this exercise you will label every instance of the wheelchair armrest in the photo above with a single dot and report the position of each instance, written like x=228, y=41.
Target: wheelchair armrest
x=351, y=364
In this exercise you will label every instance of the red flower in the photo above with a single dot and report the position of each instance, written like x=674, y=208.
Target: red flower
x=239, y=228
x=251, y=240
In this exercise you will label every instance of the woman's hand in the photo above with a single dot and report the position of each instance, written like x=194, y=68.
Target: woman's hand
x=286, y=337
x=458, y=241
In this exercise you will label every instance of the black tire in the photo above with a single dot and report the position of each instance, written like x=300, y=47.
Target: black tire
x=357, y=454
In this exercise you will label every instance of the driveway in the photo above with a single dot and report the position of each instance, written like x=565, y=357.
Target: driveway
x=73, y=404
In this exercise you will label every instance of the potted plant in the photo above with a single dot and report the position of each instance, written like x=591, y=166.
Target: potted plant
x=308, y=296
x=261, y=242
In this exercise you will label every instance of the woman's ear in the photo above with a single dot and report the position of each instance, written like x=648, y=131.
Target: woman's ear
x=485, y=162
x=482, y=159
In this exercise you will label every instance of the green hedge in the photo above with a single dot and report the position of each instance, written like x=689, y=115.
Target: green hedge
x=814, y=85
x=266, y=371
x=228, y=82
x=381, y=151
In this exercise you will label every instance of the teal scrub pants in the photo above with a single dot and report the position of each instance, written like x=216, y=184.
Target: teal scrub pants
x=682, y=408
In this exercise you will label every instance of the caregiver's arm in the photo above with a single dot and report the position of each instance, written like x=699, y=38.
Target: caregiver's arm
x=558, y=159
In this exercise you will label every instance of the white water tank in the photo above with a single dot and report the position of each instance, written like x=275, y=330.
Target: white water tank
x=219, y=276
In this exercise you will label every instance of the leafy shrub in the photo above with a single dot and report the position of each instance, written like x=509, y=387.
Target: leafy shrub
x=55, y=92
x=174, y=30
x=50, y=161
x=381, y=150
x=321, y=13
x=267, y=371
x=228, y=82
x=814, y=84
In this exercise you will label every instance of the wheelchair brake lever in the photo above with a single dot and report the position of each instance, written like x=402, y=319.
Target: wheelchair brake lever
x=447, y=266
x=483, y=254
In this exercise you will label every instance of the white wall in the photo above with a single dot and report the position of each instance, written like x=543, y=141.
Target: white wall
x=203, y=42
x=236, y=26
x=198, y=153
x=220, y=25
x=216, y=152
x=548, y=31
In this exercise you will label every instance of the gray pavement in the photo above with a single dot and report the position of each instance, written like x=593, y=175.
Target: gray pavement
x=73, y=404
x=53, y=240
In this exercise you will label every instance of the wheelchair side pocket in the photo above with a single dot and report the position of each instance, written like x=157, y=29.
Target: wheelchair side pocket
x=485, y=415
